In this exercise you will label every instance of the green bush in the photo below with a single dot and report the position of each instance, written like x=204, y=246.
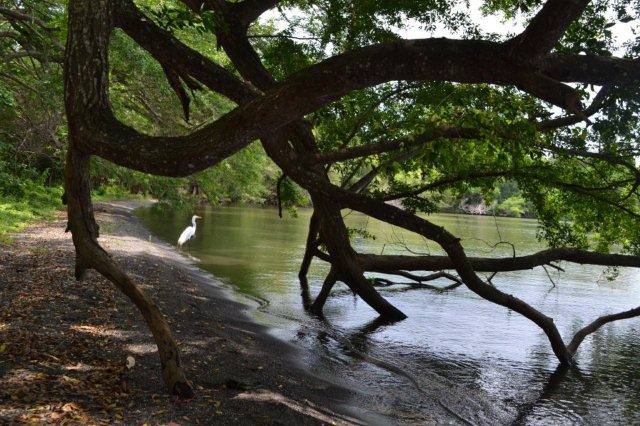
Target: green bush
x=514, y=206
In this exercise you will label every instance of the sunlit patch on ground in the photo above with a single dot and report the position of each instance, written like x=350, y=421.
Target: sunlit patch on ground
x=142, y=349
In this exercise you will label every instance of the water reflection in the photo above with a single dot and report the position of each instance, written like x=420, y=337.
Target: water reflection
x=450, y=338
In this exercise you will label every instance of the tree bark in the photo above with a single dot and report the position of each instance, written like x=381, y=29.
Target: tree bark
x=310, y=248
x=89, y=28
x=327, y=285
x=395, y=216
x=234, y=40
x=390, y=263
x=89, y=254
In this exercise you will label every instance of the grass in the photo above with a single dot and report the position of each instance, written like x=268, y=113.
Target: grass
x=38, y=202
x=17, y=212
x=113, y=192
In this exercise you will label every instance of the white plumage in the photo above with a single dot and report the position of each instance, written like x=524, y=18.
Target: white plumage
x=189, y=232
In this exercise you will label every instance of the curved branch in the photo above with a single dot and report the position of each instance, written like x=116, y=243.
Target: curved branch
x=233, y=39
x=456, y=257
x=86, y=20
x=444, y=132
x=595, y=325
x=468, y=61
x=275, y=118
x=173, y=54
x=89, y=254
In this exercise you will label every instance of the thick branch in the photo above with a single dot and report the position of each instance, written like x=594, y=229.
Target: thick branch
x=547, y=27
x=174, y=54
x=431, y=59
x=233, y=39
x=287, y=160
x=89, y=254
x=345, y=260
x=591, y=69
x=391, y=263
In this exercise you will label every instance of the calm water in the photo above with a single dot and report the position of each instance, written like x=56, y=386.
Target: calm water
x=451, y=340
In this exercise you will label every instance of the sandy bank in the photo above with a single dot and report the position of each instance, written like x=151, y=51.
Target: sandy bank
x=64, y=344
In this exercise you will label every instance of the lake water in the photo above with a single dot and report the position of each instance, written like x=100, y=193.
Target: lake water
x=450, y=341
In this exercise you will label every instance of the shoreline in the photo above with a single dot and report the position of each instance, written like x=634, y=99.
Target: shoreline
x=83, y=333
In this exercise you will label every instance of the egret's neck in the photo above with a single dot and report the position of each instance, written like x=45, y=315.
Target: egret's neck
x=193, y=222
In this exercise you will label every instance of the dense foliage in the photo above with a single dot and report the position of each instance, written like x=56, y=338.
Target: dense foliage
x=33, y=131
x=512, y=169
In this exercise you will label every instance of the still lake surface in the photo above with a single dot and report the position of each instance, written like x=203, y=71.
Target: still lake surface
x=454, y=339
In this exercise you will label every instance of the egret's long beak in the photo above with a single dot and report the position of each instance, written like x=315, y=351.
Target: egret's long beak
x=198, y=217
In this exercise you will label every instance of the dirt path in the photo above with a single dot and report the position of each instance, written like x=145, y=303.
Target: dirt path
x=64, y=344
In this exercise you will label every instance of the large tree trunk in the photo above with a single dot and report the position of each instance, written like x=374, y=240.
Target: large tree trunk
x=345, y=262
x=89, y=254
x=336, y=237
x=86, y=98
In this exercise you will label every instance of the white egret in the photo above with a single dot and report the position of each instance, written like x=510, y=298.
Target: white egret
x=189, y=231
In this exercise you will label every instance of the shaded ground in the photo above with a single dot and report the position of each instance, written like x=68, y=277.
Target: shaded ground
x=64, y=344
